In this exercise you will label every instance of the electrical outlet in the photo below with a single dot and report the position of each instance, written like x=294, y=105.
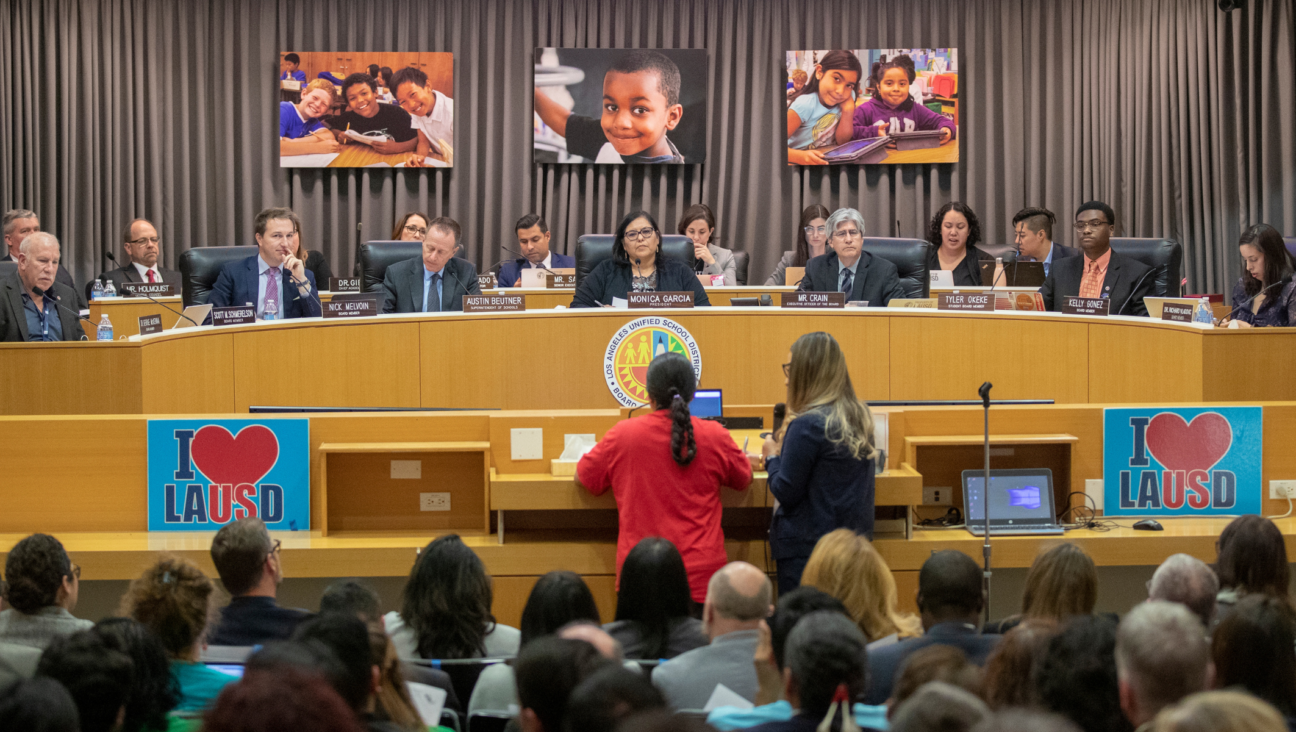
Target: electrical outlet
x=434, y=501
x=937, y=496
x=1282, y=489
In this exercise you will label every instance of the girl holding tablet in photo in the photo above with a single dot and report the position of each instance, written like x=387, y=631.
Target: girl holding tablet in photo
x=819, y=115
x=892, y=109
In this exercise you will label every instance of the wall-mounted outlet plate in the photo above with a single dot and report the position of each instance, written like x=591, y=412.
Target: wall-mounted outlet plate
x=434, y=501
x=1282, y=489
x=938, y=495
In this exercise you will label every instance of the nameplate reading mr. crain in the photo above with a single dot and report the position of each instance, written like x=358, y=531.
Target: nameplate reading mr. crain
x=814, y=299
x=233, y=315
x=974, y=301
x=344, y=284
x=152, y=289
x=1177, y=313
x=353, y=306
x=636, y=300
x=1086, y=305
x=493, y=303
x=150, y=324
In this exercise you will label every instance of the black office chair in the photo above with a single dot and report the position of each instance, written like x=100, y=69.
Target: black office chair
x=1163, y=255
x=594, y=248
x=1008, y=252
x=200, y=266
x=488, y=721
x=742, y=261
x=376, y=257
x=909, y=256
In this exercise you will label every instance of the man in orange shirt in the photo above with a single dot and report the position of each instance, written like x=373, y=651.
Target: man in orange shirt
x=1101, y=272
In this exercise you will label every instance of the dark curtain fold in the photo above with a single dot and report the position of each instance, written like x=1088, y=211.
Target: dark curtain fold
x=1182, y=117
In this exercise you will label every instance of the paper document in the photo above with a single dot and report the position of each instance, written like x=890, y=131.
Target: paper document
x=367, y=138
x=318, y=160
x=430, y=162
x=428, y=701
x=723, y=696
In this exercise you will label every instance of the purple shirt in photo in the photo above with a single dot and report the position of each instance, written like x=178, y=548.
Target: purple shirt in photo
x=908, y=117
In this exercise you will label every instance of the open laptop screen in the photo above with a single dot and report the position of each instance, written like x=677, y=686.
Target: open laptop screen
x=1017, y=497
x=707, y=403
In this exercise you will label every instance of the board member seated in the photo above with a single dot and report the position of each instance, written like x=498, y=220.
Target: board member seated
x=274, y=274
x=636, y=266
x=20, y=224
x=954, y=233
x=1100, y=273
x=533, y=242
x=698, y=224
x=1265, y=294
x=435, y=282
x=413, y=226
x=142, y=245
x=1033, y=229
x=848, y=268
x=25, y=314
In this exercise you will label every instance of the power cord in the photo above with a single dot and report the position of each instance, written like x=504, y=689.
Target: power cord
x=1085, y=515
x=1289, y=510
x=953, y=519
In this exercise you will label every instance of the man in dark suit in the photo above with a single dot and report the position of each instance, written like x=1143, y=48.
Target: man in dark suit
x=26, y=315
x=533, y=242
x=20, y=224
x=850, y=269
x=950, y=600
x=434, y=282
x=250, y=566
x=1101, y=272
x=273, y=275
x=1034, y=238
x=141, y=243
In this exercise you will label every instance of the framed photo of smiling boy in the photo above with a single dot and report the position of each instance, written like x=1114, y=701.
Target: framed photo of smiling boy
x=620, y=105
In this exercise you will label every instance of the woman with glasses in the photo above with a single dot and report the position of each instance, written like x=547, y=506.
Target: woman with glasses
x=636, y=266
x=954, y=233
x=41, y=585
x=848, y=269
x=412, y=226
x=812, y=241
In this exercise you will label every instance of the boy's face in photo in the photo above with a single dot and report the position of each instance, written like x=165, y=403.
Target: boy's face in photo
x=362, y=100
x=894, y=87
x=286, y=65
x=636, y=116
x=415, y=99
x=316, y=103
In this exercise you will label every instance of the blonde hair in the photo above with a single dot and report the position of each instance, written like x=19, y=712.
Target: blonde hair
x=1219, y=711
x=324, y=84
x=1062, y=582
x=393, y=697
x=846, y=566
x=818, y=380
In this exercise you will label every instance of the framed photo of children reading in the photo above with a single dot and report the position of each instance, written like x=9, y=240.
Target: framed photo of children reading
x=620, y=105
x=887, y=105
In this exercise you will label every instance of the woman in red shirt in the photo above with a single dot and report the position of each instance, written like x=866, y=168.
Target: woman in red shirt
x=666, y=469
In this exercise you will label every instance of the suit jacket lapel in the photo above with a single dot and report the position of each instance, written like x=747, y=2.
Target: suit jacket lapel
x=417, y=285
x=1112, y=276
x=448, y=285
x=861, y=272
x=14, y=295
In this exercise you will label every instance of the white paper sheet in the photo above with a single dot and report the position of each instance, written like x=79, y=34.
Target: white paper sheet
x=318, y=160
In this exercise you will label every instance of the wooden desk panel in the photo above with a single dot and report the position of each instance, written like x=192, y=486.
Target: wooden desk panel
x=70, y=378
x=1130, y=363
x=124, y=314
x=192, y=374
x=1239, y=365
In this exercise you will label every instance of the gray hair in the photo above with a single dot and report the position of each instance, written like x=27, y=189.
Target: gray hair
x=1161, y=650
x=35, y=240
x=11, y=217
x=1025, y=720
x=825, y=650
x=843, y=215
x=939, y=706
x=1189, y=581
x=730, y=603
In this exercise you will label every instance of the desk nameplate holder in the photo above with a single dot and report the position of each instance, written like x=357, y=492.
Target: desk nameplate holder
x=983, y=302
x=494, y=303
x=810, y=300
x=1100, y=306
x=351, y=305
x=143, y=289
x=235, y=315
x=150, y=324
x=1177, y=313
x=487, y=281
x=658, y=300
x=344, y=284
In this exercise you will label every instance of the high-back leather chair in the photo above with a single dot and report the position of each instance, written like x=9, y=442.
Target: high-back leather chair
x=200, y=266
x=1008, y=252
x=742, y=262
x=376, y=257
x=1290, y=242
x=594, y=248
x=1165, y=256
x=910, y=258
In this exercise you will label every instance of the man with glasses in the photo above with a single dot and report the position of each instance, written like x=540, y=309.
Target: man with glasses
x=1101, y=273
x=435, y=281
x=143, y=246
x=20, y=224
x=850, y=269
x=250, y=567
x=274, y=275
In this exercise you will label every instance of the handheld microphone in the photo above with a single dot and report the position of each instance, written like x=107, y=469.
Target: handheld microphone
x=897, y=228
x=1247, y=303
x=53, y=297
x=1133, y=290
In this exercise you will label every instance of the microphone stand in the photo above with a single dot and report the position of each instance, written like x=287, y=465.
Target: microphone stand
x=984, y=391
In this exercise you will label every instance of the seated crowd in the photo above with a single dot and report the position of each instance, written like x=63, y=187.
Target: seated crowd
x=1210, y=649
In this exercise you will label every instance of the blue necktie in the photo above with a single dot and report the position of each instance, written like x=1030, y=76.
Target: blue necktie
x=846, y=281
x=433, y=300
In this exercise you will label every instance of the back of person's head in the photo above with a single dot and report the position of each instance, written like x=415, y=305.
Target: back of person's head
x=1220, y=711
x=654, y=592
x=603, y=642
x=939, y=707
x=607, y=697
x=1251, y=649
x=1253, y=557
x=671, y=384
x=949, y=584
x=1077, y=676
x=846, y=566
x=1025, y=720
x=790, y=609
x=819, y=380
x=240, y=551
x=352, y=597
x=310, y=657
x=826, y=652
x=547, y=671
x=1009, y=676
x=34, y=572
x=1189, y=581
x=393, y=699
x=98, y=678
x=740, y=592
x=558, y=598
x=154, y=691
x=348, y=638
x=447, y=600
x=38, y=705
x=660, y=720
x=284, y=699
x=1062, y=582
x=1161, y=656
x=175, y=600
x=935, y=663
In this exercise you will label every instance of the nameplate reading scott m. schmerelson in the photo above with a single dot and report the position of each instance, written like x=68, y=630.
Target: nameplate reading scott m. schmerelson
x=493, y=303
x=152, y=289
x=1086, y=305
x=344, y=284
x=814, y=299
x=150, y=324
x=654, y=300
x=352, y=306
x=966, y=301
x=1177, y=313
x=235, y=315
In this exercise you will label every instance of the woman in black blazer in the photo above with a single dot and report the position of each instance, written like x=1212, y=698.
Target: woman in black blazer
x=636, y=266
x=954, y=233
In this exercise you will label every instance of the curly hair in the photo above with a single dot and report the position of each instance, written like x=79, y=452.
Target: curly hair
x=447, y=601
x=34, y=572
x=974, y=224
x=175, y=600
x=154, y=691
x=1077, y=676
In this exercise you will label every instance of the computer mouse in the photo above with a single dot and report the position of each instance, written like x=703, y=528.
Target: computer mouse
x=1149, y=525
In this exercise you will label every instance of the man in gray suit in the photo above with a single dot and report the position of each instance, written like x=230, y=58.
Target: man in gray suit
x=738, y=599
x=435, y=282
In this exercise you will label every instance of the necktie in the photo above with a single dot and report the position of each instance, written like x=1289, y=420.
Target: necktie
x=846, y=281
x=272, y=288
x=152, y=277
x=433, y=300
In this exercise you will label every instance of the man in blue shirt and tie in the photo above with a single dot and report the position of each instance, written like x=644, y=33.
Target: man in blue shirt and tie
x=274, y=275
x=436, y=281
x=1034, y=230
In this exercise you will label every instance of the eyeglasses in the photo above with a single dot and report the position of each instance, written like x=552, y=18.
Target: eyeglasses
x=415, y=230
x=76, y=571
x=1083, y=226
x=640, y=234
x=275, y=549
x=145, y=240
x=846, y=234
x=787, y=370
x=812, y=230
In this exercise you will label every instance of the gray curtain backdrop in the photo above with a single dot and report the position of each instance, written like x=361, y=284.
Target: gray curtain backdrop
x=1181, y=117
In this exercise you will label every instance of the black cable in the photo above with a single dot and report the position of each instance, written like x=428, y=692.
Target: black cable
x=1085, y=516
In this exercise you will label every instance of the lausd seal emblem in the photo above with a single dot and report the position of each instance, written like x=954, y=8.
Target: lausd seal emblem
x=633, y=347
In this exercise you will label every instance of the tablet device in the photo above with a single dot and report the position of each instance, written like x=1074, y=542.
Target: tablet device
x=860, y=152
x=1015, y=274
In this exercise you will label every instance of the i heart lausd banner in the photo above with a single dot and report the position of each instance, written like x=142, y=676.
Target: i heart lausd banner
x=1198, y=461
x=206, y=473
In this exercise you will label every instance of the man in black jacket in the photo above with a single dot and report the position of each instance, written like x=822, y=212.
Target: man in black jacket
x=142, y=245
x=250, y=567
x=434, y=282
x=1101, y=272
x=850, y=269
x=20, y=224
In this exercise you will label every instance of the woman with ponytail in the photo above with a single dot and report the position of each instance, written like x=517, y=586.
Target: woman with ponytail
x=666, y=469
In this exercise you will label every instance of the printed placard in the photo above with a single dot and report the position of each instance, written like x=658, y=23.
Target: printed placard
x=150, y=324
x=147, y=289
x=560, y=280
x=928, y=303
x=235, y=315
x=493, y=303
x=352, y=305
x=344, y=284
x=1086, y=305
x=966, y=301
x=487, y=281
x=1028, y=301
x=1177, y=313
x=637, y=300
x=814, y=299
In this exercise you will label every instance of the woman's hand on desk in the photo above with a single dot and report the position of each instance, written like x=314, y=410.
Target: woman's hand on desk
x=757, y=462
x=770, y=448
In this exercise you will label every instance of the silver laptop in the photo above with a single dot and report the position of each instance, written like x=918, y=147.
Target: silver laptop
x=194, y=315
x=1021, y=502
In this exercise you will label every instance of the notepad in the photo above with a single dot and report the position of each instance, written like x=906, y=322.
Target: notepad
x=318, y=160
x=368, y=138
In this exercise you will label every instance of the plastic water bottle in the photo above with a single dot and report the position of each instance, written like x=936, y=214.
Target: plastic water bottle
x=96, y=290
x=109, y=289
x=105, y=328
x=271, y=311
x=1203, y=313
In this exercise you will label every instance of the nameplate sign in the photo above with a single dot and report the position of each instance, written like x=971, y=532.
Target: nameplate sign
x=233, y=315
x=814, y=299
x=344, y=284
x=973, y=301
x=352, y=306
x=655, y=300
x=1177, y=313
x=560, y=281
x=913, y=302
x=151, y=289
x=1086, y=305
x=150, y=324
x=487, y=281
x=493, y=303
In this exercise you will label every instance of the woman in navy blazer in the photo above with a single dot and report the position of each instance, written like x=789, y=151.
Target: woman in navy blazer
x=821, y=470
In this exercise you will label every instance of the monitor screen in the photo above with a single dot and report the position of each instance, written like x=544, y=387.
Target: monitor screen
x=707, y=403
x=1016, y=496
x=233, y=669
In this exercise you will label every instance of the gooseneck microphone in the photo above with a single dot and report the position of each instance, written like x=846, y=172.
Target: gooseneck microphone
x=984, y=393
x=53, y=297
x=1133, y=290
x=539, y=265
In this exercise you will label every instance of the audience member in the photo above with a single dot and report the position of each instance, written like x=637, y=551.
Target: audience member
x=1187, y=580
x=846, y=566
x=41, y=590
x=1162, y=656
x=1252, y=649
x=662, y=721
x=17, y=662
x=940, y=707
x=251, y=568
x=348, y=638
x=653, y=611
x=605, y=644
x=737, y=601
x=1062, y=582
x=608, y=696
x=950, y=600
x=1252, y=559
x=285, y=699
x=1025, y=720
x=38, y=705
x=935, y=663
x=1009, y=677
x=548, y=670
x=98, y=678
x=1077, y=677
x=392, y=699
x=352, y=597
x=153, y=692
x=1219, y=711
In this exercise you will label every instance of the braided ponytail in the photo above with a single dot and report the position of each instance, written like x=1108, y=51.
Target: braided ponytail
x=683, y=446
x=671, y=383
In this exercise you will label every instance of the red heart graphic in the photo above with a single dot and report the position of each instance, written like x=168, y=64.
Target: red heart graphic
x=229, y=460
x=1178, y=445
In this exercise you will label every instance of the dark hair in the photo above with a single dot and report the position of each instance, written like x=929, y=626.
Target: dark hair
x=547, y=672
x=154, y=691
x=654, y=592
x=1077, y=675
x=668, y=74
x=903, y=62
x=671, y=384
x=832, y=61
x=619, y=254
x=98, y=677
x=353, y=598
x=348, y=638
x=373, y=71
x=359, y=78
x=935, y=663
x=292, y=58
x=695, y=212
x=34, y=572
x=38, y=705
x=791, y=608
x=1010, y=669
x=950, y=581
x=607, y=697
x=1062, y=582
x=558, y=598
x=1251, y=648
x=408, y=75
x=309, y=657
x=448, y=600
x=174, y=599
x=286, y=699
x=1025, y=720
x=1253, y=557
x=446, y=225
x=385, y=74
x=824, y=651
x=268, y=214
x=1277, y=261
x=663, y=720
x=240, y=549
x=1098, y=206
x=802, y=250
x=974, y=224
x=400, y=225
x=530, y=220
x=1037, y=219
